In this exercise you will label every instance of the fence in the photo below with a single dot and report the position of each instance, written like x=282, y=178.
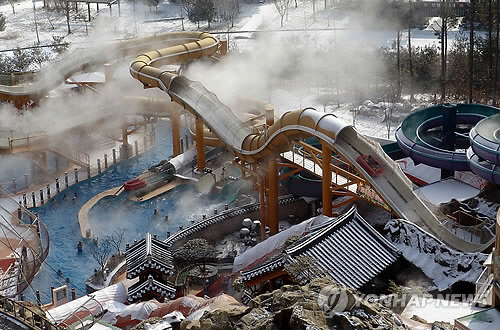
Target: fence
x=16, y=78
x=36, y=197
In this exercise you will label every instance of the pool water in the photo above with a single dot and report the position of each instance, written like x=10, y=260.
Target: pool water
x=182, y=205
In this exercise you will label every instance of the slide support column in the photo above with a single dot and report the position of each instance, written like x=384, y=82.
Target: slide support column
x=326, y=159
x=176, y=135
x=200, y=144
x=272, y=170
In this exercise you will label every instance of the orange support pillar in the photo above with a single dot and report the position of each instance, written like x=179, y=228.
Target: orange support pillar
x=326, y=159
x=175, y=119
x=262, y=211
x=200, y=144
x=44, y=160
x=125, y=134
x=272, y=205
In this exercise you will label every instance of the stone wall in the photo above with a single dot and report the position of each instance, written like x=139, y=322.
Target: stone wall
x=218, y=226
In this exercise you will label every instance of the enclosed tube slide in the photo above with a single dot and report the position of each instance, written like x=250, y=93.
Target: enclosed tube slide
x=417, y=135
x=54, y=74
x=393, y=186
x=484, y=153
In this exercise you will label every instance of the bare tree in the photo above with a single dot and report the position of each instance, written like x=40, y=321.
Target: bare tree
x=314, y=10
x=196, y=250
x=11, y=2
x=2, y=22
x=116, y=239
x=305, y=266
x=282, y=8
x=100, y=251
x=229, y=9
x=472, y=14
x=410, y=59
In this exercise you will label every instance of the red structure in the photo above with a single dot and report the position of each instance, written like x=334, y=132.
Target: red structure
x=370, y=165
x=134, y=184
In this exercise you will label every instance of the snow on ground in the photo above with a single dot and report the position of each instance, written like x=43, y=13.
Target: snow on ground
x=142, y=21
x=438, y=310
x=443, y=265
x=483, y=320
x=446, y=190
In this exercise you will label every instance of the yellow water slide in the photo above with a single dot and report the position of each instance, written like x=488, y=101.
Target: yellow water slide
x=393, y=186
x=79, y=59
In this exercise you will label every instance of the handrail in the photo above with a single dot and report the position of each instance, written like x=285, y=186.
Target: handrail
x=19, y=312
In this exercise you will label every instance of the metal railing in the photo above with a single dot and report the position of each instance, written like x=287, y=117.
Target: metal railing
x=38, y=138
x=25, y=315
x=47, y=187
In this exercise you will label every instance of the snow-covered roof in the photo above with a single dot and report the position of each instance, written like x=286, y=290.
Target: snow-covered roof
x=349, y=250
x=446, y=190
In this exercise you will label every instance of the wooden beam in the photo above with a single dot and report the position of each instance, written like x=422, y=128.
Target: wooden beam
x=266, y=277
x=350, y=200
x=286, y=175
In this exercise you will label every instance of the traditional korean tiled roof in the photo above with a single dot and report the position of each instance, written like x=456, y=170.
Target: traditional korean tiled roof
x=139, y=289
x=348, y=250
x=149, y=253
x=274, y=264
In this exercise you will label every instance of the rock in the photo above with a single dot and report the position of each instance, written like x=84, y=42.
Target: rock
x=256, y=319
x=442, y=326
x=144, y=324
x=191, y=325
x=303, y=318
x=222, y=319
x=299, y=308
x=418, y=319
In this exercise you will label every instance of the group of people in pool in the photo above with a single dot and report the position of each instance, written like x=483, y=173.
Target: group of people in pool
x=156, y=214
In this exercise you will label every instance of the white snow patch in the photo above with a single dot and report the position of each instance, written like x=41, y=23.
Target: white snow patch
x=443, y=265
x=446, y=190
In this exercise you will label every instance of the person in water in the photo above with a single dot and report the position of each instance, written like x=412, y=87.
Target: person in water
x=166, y=218
x=156, y=212
x=65, y=196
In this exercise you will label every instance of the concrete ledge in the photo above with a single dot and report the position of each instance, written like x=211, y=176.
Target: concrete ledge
x=83, y=214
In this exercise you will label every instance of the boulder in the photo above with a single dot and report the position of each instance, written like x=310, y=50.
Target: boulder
x=256, y=319
x=299, y=308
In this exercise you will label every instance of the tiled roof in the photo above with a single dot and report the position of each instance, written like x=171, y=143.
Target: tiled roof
x=138, y=290
x=149, y=253
x=348, y=250
x=264, y=268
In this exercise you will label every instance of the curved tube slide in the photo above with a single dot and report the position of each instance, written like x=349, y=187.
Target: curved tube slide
x=484, y=153
x=54, y=74
x=393, y=186
x=410, y=135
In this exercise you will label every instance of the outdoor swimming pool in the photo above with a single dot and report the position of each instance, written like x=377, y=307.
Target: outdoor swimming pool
x=182, y=205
